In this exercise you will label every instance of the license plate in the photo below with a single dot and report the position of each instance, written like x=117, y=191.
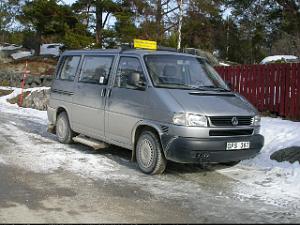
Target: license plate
x=238, y=145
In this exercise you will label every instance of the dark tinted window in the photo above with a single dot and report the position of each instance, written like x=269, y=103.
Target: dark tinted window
x=126, y=66
x=70, y=65
x=96, y=69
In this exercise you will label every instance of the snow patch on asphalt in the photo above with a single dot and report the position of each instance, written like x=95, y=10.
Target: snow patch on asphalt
x=33, y=152
x=2, y=161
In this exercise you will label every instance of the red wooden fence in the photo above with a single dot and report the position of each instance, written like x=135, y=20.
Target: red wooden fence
x=272, y=87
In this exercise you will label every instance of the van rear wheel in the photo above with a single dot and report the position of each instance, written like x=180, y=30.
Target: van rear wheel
x=149, y=155
x=63, y=130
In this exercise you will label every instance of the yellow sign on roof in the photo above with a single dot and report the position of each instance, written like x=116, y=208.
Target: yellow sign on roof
x=138, y=43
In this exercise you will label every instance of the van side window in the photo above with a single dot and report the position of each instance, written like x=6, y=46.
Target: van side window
x=126, y=66
x=96, y=69
x=70, y=65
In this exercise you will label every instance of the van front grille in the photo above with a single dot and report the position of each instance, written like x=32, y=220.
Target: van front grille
x=221, y=121
x=218, y=133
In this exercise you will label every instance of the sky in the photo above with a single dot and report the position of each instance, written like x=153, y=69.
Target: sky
x=69, y=2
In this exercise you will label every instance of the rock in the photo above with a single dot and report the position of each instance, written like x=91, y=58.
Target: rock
x=29, y=80
x=291, y=154
x=37, y=81
x=37, y=100
x=33, y=85
x=15, y=80
x=47, y=81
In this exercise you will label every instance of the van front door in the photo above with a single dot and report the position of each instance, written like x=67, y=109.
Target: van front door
x=89, y=98
x=125, y=103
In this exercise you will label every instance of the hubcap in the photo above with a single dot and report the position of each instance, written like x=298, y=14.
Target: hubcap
x=147, y=153
x=61, y=129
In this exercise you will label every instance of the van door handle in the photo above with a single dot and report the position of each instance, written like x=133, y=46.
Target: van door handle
x=103, y=92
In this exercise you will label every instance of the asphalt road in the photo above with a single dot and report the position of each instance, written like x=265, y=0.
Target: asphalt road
x=43, y=181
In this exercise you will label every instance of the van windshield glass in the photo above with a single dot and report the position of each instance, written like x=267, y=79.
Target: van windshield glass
x=183, y=72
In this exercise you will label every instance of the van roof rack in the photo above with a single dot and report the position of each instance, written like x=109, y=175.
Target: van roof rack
x=125, y=46
x=164, y=48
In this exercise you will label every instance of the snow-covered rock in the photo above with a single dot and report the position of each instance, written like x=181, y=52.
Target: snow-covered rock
x=21, y=54
x=223, y=64
x=37, y=99
x=9, y=47
x=284, y=58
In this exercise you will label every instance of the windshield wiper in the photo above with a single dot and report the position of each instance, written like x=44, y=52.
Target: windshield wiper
x=176, y=86
x=211, y=88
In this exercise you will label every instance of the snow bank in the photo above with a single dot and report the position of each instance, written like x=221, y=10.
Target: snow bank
x=223, y=64
x=269, y=177
x=279, y=134
x=21, y=54
x=14, y=108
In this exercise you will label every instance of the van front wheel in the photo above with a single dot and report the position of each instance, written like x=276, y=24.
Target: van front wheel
x=63, y=129
x=149, y=155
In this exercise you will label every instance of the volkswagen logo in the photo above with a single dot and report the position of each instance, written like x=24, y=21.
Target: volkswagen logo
x=234, y=121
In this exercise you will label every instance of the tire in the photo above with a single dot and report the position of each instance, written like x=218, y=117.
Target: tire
x=230, y=164
x=63, y=130
x=149, y=155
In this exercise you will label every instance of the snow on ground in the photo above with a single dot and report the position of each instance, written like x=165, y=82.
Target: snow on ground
x=279, y=177
x=279, y=134
x=50, y=161
x=14, y=108
x=271, y=181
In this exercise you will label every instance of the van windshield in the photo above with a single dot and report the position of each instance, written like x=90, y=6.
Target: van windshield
x=183, y=72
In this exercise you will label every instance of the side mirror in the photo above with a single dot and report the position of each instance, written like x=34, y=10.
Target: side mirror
x=134, y=79
x=229, y=84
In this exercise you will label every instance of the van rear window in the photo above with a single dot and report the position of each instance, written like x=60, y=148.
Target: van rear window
x=69, y=68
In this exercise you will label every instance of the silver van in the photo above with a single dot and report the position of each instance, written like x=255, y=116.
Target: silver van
x=161, y=105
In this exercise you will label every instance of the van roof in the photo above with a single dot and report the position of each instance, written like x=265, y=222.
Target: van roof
x=140, y=52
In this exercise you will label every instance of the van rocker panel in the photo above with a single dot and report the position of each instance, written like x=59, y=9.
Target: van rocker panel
x=210, y=150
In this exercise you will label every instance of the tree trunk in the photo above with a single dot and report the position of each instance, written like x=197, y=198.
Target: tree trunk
x=158, y=20
x=99, y=12
x=37, y=43
x=88, y=16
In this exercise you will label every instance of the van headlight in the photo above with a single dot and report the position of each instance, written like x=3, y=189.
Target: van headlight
x=190, y=120
x=257, y=120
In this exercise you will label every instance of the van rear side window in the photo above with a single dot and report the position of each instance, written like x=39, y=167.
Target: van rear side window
x=69, y=68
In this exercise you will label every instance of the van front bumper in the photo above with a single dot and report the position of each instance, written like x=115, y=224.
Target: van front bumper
x=209, y=150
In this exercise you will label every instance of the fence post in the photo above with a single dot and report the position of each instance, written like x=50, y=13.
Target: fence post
x=26, y=72
x=293, y=86
x=297, y=106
